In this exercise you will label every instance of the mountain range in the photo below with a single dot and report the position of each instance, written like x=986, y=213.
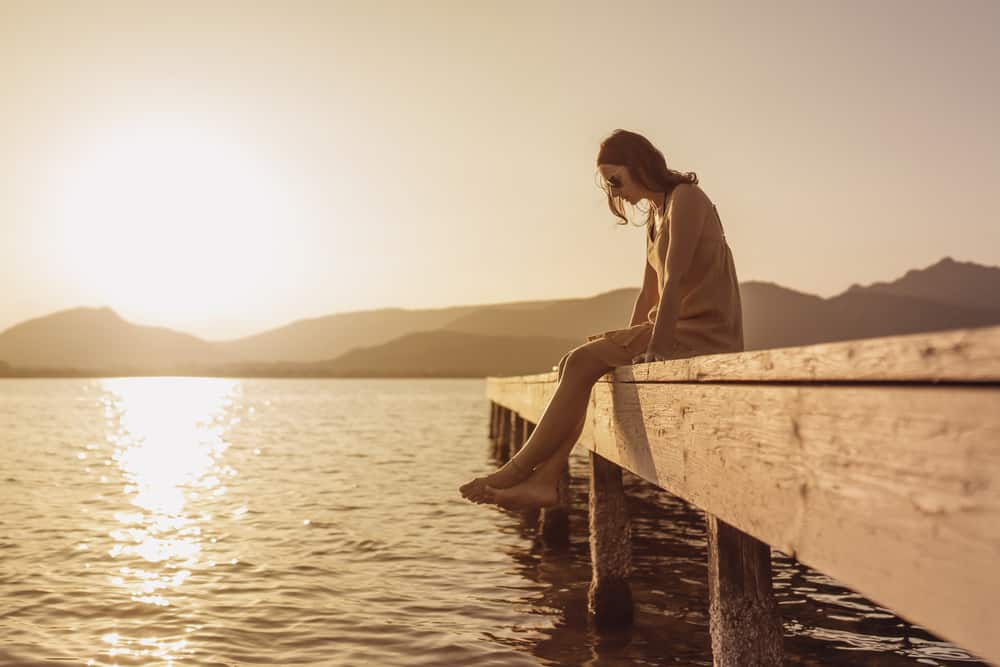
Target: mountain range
x=494, y=339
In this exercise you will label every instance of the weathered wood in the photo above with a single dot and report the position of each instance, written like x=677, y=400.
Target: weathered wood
x=555, y=519
x=494, y=408
x=609, y=595
x=529, y=428
x=893, y=489
x=961, y=355
x=743, y=615
x=875, y=485
x=503, y=440
x=520, y=433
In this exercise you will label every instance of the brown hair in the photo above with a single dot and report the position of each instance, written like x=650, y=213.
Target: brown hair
x=645, y=163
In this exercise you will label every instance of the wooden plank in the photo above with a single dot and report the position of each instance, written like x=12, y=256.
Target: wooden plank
x=959, y=355
x=895, y=491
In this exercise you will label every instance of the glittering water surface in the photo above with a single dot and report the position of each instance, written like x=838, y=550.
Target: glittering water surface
x=199, y=521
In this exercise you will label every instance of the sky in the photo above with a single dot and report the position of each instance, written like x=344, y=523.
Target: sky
x=226, y=168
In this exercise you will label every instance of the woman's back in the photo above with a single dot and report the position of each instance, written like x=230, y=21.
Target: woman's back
x=711, y=314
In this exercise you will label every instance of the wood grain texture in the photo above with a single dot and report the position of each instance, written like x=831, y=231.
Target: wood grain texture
x=893, y=489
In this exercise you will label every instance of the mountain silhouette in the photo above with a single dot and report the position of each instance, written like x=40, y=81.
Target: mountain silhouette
x=956, y=283
x=453, y=354
x=494, y=339
x=98, y=338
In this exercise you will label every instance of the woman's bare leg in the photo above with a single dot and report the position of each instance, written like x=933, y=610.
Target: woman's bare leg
x=540, y=488
x=555, y=434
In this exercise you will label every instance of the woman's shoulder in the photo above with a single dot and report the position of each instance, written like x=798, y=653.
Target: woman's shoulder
x=692, y=194
x=691, y=190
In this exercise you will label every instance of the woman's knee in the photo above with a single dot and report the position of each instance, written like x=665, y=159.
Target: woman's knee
x=582, y=360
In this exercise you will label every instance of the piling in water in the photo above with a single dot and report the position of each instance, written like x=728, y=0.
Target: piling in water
x=609, y=597
x=743, y=614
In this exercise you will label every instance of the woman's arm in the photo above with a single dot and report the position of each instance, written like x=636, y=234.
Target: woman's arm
x=687, y=218
x=646, y=298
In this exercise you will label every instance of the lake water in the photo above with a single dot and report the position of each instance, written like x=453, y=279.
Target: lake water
x=200, y=521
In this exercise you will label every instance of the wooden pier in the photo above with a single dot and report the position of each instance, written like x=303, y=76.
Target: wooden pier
x=875, y=461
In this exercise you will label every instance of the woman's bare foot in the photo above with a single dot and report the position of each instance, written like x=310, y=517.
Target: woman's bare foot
x=508, y=475
x=537, y=491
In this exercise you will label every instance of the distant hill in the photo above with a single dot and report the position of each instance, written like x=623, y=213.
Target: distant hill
x=775, y=316
x=570, y=318
x=494, y=339
x=96, y=338
x=331, y=335
x=956, y=283
x=449, y=353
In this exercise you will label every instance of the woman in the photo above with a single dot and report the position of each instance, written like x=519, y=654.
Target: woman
x=689, y=305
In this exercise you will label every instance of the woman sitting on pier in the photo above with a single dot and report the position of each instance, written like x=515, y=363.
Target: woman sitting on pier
x=689, y=305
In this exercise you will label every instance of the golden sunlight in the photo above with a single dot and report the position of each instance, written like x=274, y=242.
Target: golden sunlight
x=168, y=444
x=165, y=212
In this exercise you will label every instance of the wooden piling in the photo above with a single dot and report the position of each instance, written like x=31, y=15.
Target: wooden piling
x=743, y=615
x=504, y=436
x=609, y=597
x=555, y=519
x=529, y=428
x=531, y=516
x=516, y=432
x=860, y=458
x=494, y=408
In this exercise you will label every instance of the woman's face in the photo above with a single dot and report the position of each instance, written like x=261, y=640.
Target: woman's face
x=616, y=179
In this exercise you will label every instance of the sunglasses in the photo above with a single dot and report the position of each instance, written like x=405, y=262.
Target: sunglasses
x=612, y=183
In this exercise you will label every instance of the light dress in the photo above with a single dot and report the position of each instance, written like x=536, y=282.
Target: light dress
x=711, y=312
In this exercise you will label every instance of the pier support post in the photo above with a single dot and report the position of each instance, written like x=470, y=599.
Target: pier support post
x=514, y=440
x=555, y=519
x=609, y=597
x=494, y=408
x=743, y=614
x=521, y=436
x=516, y=432
x=502, y=449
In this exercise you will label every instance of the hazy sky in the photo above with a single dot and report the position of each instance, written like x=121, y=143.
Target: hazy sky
x=222, y=169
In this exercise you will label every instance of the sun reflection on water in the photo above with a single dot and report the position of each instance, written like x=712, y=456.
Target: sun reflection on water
x=167, y=438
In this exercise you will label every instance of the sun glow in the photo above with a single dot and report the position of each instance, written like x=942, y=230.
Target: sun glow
x=173, y=221
x=168, y=439
x=169, y=442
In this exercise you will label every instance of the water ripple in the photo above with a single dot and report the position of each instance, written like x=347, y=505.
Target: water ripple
x=205, y=521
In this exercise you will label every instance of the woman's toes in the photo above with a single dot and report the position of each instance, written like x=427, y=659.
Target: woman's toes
x=471, y=488
x=490, y=494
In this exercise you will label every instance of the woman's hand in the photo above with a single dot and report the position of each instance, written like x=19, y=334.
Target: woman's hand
x=648, y=356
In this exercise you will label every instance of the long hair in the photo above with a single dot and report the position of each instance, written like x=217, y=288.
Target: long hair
x=645, y=163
